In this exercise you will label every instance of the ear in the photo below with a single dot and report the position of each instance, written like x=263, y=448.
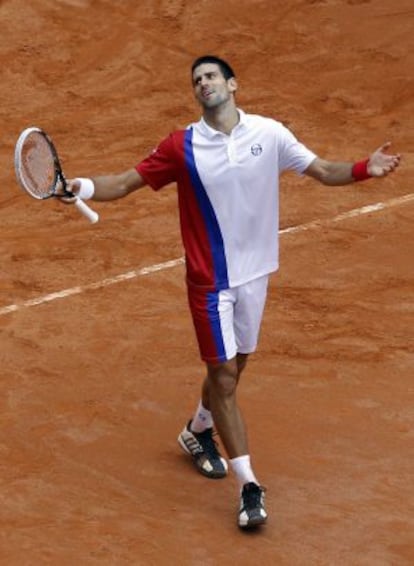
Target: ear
x=232, y=84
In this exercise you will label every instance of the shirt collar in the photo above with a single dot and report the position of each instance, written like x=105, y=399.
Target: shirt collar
x=211, y=133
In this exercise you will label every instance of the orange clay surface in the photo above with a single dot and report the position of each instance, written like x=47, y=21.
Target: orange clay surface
x=96, y=385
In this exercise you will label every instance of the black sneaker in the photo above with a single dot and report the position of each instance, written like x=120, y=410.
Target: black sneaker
x=203, y=449
x=252, y=512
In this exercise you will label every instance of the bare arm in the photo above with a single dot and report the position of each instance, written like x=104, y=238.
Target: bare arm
x=335, y=173
x=111, y=187
x=331, y=173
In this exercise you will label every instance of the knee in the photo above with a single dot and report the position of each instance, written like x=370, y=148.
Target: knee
x=223, y=380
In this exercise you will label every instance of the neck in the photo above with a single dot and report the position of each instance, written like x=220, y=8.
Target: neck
x=223, y=118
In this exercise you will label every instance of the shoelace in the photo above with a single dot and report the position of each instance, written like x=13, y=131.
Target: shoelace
x=208, y=443
x=252, y=496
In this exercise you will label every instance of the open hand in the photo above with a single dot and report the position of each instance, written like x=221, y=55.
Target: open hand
x=381, y=163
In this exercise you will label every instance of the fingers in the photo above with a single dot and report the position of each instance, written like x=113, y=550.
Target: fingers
x=381, y=163
x=384, y=146
x=384, y=160
x=73, y=186
x=68, y=187
x=68, y=194
x=390, y=166
x=396, y=161
x=393, y=162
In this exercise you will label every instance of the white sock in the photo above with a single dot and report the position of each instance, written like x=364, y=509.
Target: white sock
x=242, y=468
x=202, y=419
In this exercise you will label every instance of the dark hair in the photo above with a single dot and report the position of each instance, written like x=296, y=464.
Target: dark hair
x=225, y=68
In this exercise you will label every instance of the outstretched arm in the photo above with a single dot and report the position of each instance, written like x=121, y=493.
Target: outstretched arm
x=106, y=187
x=333, y=173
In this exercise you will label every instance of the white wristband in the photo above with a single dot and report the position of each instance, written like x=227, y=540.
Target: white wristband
x=87, y=188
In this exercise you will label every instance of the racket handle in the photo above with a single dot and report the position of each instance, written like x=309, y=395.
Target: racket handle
x=90, y=214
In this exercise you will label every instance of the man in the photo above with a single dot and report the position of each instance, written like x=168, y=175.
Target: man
x=227, y=167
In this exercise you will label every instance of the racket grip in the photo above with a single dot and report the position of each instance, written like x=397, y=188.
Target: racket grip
x=90, y=214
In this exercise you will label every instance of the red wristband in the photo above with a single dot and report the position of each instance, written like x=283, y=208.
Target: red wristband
x=360, y=170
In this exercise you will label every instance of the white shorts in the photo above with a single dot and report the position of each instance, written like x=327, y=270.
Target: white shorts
x=228, y=322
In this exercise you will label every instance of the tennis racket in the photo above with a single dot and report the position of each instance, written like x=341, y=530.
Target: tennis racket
x=39, y=172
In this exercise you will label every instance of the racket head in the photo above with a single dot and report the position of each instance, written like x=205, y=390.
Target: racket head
x=36, y=163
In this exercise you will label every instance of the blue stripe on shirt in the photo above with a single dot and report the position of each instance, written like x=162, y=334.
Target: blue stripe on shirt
x=212, y=226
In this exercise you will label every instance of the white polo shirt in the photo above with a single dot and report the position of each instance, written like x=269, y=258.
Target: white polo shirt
x=228, y=191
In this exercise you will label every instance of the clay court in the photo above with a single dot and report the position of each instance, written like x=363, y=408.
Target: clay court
x=99, y=365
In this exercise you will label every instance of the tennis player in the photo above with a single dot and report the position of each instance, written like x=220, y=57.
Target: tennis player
x=227, y=167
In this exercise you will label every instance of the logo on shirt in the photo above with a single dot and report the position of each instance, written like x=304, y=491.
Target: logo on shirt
x=256, y=149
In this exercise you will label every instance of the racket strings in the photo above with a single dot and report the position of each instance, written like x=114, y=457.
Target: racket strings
x=37, y=165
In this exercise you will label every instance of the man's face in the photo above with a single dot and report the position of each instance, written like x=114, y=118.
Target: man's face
x=211, y=89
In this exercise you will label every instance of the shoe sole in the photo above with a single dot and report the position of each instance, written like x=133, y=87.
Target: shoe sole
x=254, y=523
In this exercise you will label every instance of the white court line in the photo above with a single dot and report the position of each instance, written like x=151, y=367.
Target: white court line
x=174, y=262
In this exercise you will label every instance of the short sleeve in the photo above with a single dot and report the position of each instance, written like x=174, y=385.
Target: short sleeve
x=160, y=167
x=293, y=155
